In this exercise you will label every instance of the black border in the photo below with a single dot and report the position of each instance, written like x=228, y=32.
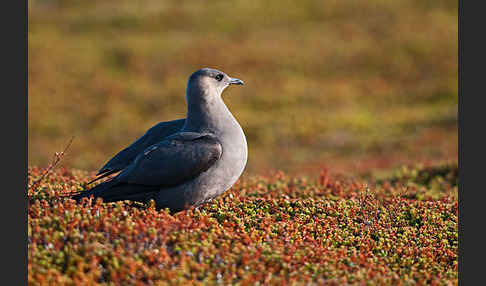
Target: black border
x=460, y=123
x=13, y=210
x=471, y=163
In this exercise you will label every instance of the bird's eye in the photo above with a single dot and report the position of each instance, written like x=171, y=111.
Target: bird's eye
x=219, y=77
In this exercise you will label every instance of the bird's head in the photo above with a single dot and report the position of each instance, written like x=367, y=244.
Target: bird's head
x=209, y=82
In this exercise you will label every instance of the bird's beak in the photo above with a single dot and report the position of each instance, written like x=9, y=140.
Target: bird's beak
x=236, y=81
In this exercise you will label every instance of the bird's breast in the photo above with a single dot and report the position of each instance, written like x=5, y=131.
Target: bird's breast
x=234, y=157
x=230, y=166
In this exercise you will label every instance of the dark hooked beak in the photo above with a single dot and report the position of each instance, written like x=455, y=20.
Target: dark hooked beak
x=236, y=81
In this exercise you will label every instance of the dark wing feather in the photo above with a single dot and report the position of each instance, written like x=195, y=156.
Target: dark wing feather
x=179, y=158
x=123, y=158
x=102, y=175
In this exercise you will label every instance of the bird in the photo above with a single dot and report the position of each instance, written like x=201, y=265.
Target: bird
x=182, y=163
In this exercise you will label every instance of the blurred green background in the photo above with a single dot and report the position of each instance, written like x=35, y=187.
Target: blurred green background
x=352, y=85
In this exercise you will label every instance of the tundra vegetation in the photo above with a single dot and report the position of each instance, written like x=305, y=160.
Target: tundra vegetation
x=270, y=230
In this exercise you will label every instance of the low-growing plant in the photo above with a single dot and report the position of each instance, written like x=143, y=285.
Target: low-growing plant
x=264, y=231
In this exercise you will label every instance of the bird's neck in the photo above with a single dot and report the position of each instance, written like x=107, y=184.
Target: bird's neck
x=207, y=114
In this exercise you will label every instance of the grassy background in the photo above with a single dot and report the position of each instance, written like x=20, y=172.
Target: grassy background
x=354, y=85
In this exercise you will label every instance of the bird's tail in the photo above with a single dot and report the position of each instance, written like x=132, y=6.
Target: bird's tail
x=111, y=191
x=96, y=191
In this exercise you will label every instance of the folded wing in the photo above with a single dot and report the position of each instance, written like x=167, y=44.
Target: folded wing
x=180, y=157
x=173, y=161
x=154, y=135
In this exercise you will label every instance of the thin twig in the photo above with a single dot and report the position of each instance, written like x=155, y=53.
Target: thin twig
x=55, y=160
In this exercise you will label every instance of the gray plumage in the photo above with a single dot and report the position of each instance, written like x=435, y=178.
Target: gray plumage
x=185, y=162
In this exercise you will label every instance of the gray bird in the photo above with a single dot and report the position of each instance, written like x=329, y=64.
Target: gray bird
x=185, y=162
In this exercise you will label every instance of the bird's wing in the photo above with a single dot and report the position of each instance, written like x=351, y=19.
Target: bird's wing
x=155, y=134
x=173, y=161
